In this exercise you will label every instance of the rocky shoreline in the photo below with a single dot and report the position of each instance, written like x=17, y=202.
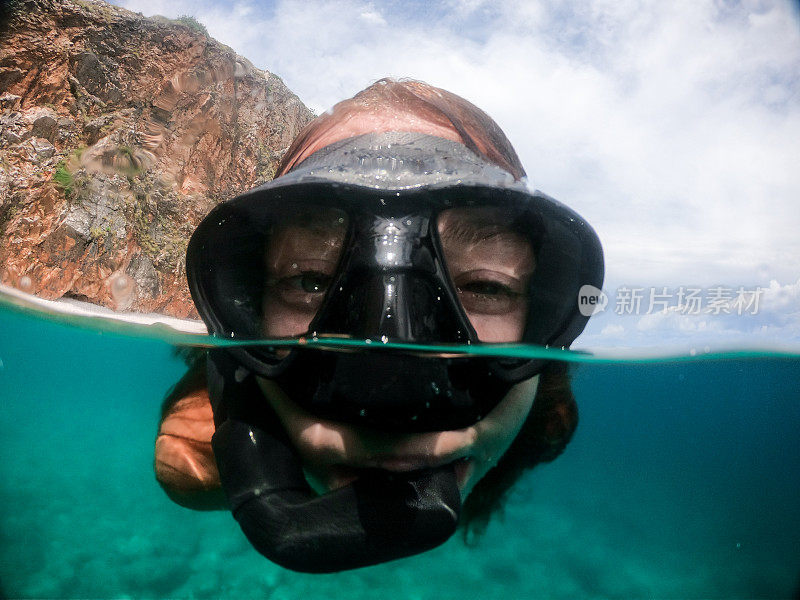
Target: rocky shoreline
x=118, y=133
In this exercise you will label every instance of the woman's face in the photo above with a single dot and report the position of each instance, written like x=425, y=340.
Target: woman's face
x=490, y=266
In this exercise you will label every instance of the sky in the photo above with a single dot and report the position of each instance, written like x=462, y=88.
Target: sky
x=672, y=127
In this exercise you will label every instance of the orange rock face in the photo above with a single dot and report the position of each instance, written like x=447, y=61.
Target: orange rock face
x=118, y=133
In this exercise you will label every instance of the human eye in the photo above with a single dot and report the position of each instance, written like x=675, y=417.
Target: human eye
x=307, y=282
x=299, y=287
x=489, y=293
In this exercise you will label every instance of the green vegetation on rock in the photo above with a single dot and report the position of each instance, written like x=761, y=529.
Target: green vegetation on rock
x=192, y=24
x=68, y=181
x=64, y=180
x=162, y=238
x=101, y=9
x=131, y=166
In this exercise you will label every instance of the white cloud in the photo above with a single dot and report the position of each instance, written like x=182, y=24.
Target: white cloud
x=782, y=298
x=615, y=331
x=373, y=17
x=672, y=127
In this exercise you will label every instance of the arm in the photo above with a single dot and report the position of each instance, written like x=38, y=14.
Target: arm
x=184, y=461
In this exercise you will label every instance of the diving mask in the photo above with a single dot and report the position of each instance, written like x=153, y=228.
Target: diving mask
x=393, y=237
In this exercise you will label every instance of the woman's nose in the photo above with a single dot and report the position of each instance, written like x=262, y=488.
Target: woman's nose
x=401, y=305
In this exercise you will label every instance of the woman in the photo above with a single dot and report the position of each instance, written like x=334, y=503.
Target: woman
x=398, y=216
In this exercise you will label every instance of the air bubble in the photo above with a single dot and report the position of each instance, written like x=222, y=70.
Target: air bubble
x=122, y=288
x=436, y=391
x=25, y=283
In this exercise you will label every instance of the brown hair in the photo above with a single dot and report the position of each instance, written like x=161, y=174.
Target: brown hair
x=417, y=101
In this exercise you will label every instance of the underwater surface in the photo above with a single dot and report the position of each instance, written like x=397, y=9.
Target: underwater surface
x=682, y=481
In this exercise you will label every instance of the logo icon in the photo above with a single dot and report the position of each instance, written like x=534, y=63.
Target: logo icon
x=591, y=300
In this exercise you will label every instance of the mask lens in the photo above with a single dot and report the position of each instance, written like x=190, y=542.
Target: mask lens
x=490, y=258
x=301, y=255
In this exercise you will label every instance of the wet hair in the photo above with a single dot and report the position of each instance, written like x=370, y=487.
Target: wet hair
x=417, y=100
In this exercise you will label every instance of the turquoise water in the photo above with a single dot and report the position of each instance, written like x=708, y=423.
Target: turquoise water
x=682, y=481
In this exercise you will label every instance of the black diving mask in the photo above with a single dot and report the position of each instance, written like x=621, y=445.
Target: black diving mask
x=393, y=237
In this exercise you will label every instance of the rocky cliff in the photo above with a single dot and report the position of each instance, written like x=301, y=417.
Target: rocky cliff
x=118, y=133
